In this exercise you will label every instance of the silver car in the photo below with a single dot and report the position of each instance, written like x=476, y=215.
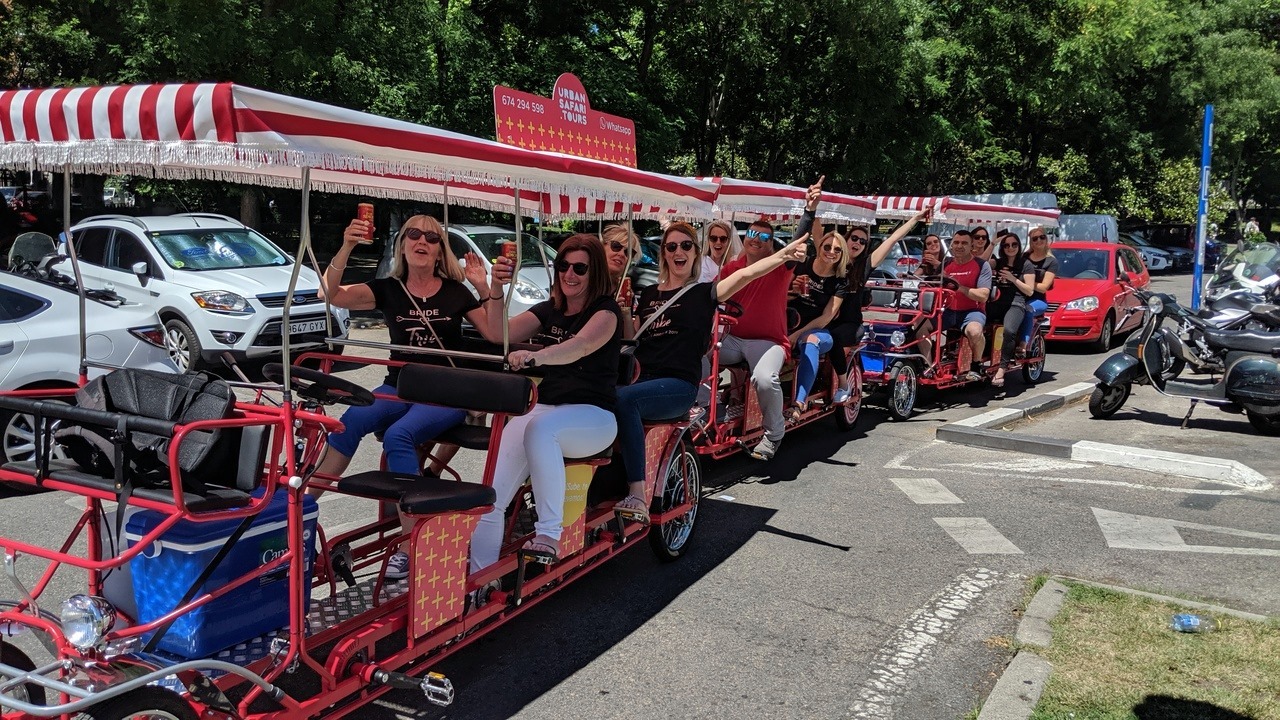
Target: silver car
x=533, y=282
x=40, y=344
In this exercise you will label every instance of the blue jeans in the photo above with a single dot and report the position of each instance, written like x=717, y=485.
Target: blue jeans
x=1035, y=308
x=656, y=399
x=807, y=366
x=404, y=425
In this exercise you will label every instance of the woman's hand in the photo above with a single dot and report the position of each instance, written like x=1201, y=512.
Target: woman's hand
x=502, y=271
x=814, y=195
x=473, y=270
x=521, y=359
x=1006, y=276
x=357, y=233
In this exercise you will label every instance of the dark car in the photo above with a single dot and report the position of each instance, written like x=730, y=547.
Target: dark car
x=644, y=271
x=1177, y=238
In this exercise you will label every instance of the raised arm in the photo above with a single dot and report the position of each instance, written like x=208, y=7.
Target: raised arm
x=882, y=251
x=351, y=297
x=812, y=197
x=522, y=326
x=795, y=252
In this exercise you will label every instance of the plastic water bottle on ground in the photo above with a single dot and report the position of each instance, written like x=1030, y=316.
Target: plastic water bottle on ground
x=1192, y=623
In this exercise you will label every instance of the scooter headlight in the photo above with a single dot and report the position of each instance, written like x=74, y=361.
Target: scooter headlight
x=897, y=338
x=1155, y=305
x=86, y=619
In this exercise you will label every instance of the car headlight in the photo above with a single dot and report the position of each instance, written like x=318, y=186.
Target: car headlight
x=528, y=291
x=1088, y=303
x=86, y=619
x=897, y=338
x=223, y=301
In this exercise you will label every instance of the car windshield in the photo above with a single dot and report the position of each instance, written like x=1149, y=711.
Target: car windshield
x=1082, y=264
x=217, y=249
x=490, y=244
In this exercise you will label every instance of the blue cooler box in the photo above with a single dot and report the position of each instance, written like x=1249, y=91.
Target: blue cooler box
x=163, y=572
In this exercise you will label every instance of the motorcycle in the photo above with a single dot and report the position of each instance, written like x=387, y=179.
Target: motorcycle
x=1254, y=270
x=1250, y=380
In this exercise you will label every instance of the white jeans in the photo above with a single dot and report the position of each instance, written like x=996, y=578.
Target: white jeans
x=535, y=446
x=765, y=359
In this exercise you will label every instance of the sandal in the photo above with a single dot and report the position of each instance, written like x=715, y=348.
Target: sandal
x=542, y=549
x=632, y=507
x=998, y=380
x=798, y=410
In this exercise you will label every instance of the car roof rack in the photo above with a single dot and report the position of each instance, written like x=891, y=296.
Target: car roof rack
x=211, y=216
x=125, y=218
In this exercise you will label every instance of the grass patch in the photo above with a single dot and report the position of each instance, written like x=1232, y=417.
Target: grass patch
x=1115, y=658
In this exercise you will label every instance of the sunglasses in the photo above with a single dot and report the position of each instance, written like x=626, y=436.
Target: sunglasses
x=579, y=268
x=1034, y=238
x=431, y=236
x=833, y=248
x=759, y=235
x=981, y=237
x=617, y=247
x=1014, y=245
x=717, y=238
x=685, y=245
x=858, y=239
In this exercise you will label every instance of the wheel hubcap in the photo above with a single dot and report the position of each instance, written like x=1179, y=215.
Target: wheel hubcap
x=675, y=533
x=904, y=391
x=20, y=440
x=179, y=352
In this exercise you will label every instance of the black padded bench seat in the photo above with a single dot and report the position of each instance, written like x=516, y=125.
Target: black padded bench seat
x=418, y=494
x=471, y=437
x=214, y=497
x=1250, y=341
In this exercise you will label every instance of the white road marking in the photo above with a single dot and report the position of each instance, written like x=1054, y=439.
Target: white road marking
x=910, y=648
x=1139, y=532
x=1024, y=465
x=926, y=491
x=899, y=462
x=977, y=536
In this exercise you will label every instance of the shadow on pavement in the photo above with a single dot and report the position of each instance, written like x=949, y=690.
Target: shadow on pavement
x=516, y=664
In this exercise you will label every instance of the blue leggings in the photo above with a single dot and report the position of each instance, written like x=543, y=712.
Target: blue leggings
x=656, y=399
x=1035, y=308
x=405, y=426
x=810, y=353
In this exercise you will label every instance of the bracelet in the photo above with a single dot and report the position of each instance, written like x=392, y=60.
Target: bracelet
x=486, y=298
x=332, y=266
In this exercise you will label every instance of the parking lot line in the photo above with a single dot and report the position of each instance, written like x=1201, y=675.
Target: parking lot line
x=926, y=491
x=977, y=536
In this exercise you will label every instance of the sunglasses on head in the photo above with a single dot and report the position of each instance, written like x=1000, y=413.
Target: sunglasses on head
x=563, y=266
x=618, y=247
x=430, y=236
x=760, y=235
x=717, y=238
x=685, y=245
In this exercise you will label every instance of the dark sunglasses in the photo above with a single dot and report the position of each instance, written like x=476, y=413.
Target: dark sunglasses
x=858, y=239
x=685, y=245
x=430, y=236
x=832, y=248
x=717, y=238
x=1011, y=245
x=983, y=236
x=758, y=235
x=1033, y=238
x=617, y=247
x=579, y=268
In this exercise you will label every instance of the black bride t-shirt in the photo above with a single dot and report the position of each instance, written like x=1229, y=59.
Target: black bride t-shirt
x=590, y=380
x=673, y=345
x=407, y=325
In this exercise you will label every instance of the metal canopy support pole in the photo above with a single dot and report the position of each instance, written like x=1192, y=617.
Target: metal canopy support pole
x=1202, y=210
x=445, y=213
x=631, y=252
x=75, y=266
x=511, y=287
x=304, y=246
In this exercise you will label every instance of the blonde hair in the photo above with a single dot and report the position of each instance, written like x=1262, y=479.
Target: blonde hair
x=735, y=243
x=620, y=234
x=695, y=265
x=1048, y=241
x=842, y=265
x=447, y=266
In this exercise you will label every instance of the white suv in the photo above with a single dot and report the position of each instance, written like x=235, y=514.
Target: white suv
x=218, y=285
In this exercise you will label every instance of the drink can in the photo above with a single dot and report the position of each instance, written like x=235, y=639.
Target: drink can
x=364, y=211
x=509, y=251
x=804, y=285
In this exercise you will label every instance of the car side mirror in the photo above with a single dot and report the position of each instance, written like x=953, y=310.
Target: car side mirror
x=139, y=268
x=1123, y=277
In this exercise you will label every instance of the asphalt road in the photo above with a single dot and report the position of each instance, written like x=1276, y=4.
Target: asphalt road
x=873, y=574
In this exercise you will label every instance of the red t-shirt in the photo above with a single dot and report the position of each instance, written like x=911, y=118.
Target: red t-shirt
x=764, y=304
x=970, y=275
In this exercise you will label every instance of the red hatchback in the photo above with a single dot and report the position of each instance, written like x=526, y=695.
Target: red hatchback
x=1093, y=291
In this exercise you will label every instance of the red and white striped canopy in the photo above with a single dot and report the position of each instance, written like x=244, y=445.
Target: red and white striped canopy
x=240, y=134
x=961, y=212
x=746, y=199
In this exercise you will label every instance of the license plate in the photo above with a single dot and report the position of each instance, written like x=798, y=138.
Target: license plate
x=306, y=326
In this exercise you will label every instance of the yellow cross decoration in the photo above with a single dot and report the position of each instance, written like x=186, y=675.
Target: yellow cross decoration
x=509, y=122
x=520, y=124
x=560, y=132
x=521, y=143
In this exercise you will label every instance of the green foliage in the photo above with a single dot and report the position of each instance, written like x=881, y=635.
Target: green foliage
x=1099, y=101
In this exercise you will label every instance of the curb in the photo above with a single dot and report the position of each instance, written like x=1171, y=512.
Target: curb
x=1018, y=690
x=984, y=431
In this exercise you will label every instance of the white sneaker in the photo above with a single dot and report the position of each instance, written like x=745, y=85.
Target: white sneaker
x=398, y=566
x=841, y=396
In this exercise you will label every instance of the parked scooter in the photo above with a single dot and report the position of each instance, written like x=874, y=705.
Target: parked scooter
x=1250, y=382
x=1252, y=271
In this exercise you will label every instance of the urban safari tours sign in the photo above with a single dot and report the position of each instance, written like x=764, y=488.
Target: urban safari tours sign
x=563, y=123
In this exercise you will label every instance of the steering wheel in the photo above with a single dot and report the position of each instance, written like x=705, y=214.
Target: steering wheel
x=1089, y=275
x=732, y=309
x=949, y=283
x=315, y=385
